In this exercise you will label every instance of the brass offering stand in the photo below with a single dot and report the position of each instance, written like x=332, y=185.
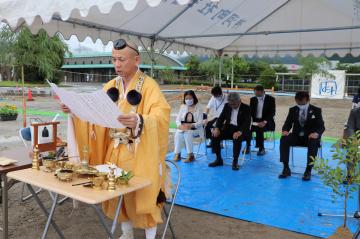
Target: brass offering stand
x=36, y=161
x=111, y=177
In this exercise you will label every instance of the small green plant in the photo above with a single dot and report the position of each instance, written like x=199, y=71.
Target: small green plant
x=344, y=177
x=8, y=110
x=125, y=177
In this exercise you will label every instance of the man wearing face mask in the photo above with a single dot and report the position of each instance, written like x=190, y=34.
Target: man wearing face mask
x=233, y=123
x=307, y=126
x=262, y=107
x=215, y=107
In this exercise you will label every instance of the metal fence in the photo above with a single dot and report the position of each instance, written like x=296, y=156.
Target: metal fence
x=290, y=82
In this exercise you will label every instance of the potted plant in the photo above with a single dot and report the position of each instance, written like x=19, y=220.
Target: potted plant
x=8, y=112
x=344, y=177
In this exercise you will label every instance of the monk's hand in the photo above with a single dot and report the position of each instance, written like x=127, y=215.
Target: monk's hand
x=64, y=108
x=128, y=120
x=236, y=135
x=285, y=133
x=216, y=132
x=313, y=136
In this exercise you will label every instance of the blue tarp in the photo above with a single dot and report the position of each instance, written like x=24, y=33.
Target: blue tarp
x=254, y=193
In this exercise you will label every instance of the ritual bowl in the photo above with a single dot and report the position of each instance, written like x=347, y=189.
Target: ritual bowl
x=49, y=164
x=97, y=182
x=65, y=174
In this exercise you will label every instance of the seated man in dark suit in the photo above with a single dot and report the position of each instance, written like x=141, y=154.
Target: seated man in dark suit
x=233, y=123
x=262, y=108
x=307, y=126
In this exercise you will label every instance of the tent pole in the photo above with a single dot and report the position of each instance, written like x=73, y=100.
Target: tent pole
x=152, y=57
x=220, y=66
x=232, y=72
x=23, y=96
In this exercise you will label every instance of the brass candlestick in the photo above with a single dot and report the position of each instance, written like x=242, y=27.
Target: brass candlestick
x=35, y=161
x=111, y=177
x=85, y=159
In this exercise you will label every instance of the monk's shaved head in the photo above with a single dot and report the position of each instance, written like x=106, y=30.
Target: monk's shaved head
x=125, y=57
x=132, y=45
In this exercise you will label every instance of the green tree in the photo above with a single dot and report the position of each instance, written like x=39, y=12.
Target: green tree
x=167, y=75
x=41, y=55
x=255, y=69
x=280, y=68
x=193, y=67
x=210, y=68
x=346, y=158
x=348, y=68
x=7, y=59
x=268, y=77
x=313, y=65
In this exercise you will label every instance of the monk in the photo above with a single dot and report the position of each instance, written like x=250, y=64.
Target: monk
x=141, y=147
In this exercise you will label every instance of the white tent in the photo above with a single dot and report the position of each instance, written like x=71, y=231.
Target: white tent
x=261, y=27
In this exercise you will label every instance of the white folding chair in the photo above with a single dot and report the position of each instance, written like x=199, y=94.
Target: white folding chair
x=202, y=140
x=171, y=165
x=268, y=135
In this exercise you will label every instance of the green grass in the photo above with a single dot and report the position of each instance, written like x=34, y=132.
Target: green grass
x=40, y=112
x=18, y=84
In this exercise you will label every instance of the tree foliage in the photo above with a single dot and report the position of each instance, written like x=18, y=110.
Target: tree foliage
x=313, y=65
x=42, y=56
x=343, y=167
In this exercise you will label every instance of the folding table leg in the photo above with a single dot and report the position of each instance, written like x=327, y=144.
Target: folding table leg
x=41, y=205
x=102, y=221
x=52, y=210
x=4, y=195
x=98, y=210
x=117, y=213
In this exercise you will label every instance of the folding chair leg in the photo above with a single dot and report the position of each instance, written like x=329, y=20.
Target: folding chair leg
x=170, y=226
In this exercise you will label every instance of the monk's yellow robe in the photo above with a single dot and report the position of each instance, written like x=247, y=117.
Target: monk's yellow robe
x=146, y=160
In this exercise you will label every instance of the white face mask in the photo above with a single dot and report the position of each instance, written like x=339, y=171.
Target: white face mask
x=303, y=107
x=219, y=98
x=189, y=102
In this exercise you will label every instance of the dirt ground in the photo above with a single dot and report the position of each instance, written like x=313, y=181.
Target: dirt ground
x=27, y=221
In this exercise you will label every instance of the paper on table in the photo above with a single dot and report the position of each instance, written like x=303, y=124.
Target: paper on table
x=6, y=161
x=104, y=168
x=95, y=107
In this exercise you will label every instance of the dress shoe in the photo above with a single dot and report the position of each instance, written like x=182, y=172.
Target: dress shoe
x=216, y=163
x=261, y=152
x=306, y=176
x=190, y=158
x=177, y=157
x=235, y=165
x=285, y=173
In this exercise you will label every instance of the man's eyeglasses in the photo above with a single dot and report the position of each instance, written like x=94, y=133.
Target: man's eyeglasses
x=120, y=44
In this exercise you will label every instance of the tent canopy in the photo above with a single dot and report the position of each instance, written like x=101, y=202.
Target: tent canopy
x=261, y=27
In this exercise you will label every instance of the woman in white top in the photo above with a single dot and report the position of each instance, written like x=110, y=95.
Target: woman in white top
x=189, y=122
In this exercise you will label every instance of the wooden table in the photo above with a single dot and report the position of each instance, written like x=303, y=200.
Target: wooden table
x=22, y=156
x=87, y=195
